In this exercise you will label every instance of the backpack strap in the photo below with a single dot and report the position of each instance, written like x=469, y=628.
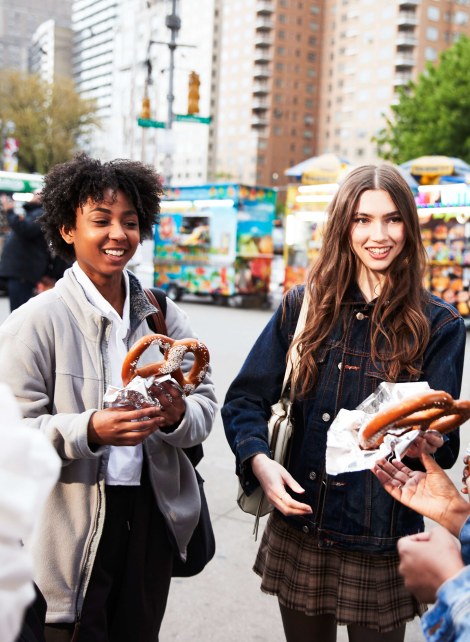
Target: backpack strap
x=157, y=320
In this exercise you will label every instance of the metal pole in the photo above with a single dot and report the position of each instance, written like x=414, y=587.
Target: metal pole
x=173, y=22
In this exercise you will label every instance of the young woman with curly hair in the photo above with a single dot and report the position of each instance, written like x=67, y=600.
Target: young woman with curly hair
x=104, y=549
x=328, y=551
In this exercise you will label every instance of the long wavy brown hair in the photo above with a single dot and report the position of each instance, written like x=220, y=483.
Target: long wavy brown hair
x=399, y=327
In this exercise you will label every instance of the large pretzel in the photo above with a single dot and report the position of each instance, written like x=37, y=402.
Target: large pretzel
x=174, y=352
x=434, y=410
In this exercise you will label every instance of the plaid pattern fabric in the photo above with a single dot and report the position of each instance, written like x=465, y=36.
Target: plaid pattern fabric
x=357, y=588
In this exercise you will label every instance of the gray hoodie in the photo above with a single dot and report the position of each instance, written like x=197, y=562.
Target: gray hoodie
x=56, y=348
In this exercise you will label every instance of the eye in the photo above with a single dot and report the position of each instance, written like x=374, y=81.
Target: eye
x=396, y=219
x=132, y=224
x=361, y=220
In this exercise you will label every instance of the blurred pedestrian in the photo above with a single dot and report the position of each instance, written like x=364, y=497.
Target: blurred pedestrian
x=328, y=551
x=127, y=499
x=25, y=256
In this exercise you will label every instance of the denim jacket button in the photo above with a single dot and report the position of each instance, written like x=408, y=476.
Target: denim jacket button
x=312, y=475
x=340, y=365
x=325, y=416
x=305, y=529
x=360, y=316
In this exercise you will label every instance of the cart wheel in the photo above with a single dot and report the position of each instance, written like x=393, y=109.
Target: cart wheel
x=219, y=299
x=174, y=292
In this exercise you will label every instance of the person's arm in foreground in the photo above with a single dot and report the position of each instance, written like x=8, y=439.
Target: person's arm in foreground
x=431, y=563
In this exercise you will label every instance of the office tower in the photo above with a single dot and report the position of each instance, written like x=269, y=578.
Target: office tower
x=94, y=24
x=18, y=21
x=50, y=53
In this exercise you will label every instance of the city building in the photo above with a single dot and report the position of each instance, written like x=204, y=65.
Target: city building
x=372, y=47
x=125, y=52
x=269, y=88
x=18, y=21
x=50, y=53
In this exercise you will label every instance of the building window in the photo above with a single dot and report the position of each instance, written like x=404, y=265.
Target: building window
x=460, y=18
x=434, y=14
x=432, y=34
x=430, y=54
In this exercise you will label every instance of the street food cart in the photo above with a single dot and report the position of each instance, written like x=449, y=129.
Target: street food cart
x=444, y=213
x=304, y=221
x=216, y=240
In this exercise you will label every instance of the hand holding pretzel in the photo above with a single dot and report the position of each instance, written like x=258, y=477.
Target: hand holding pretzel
x=174, y=351
x=435, y=410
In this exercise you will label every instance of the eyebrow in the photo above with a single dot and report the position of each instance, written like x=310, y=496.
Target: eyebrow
x=107, y=210
x=386, y=213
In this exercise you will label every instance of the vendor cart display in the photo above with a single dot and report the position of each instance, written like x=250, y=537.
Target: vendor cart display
x=216, y=240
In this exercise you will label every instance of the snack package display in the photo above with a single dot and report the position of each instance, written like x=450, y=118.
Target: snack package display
x=344, y=453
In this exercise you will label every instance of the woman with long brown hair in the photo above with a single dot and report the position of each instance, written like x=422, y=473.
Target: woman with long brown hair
x=328, y=551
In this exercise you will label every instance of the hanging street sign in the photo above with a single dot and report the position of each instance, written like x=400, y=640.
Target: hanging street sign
x=192, y=118
x=146, y=122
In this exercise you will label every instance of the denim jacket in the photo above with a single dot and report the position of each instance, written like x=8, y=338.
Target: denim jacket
x=350, y=510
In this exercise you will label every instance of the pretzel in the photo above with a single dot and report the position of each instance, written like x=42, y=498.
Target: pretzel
x=435, y=410
x=174, y=351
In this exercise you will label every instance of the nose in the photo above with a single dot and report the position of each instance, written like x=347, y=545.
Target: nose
x=117, y=232
x=378, y=230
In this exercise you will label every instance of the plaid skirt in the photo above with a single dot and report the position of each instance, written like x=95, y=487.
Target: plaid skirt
x=357, y=588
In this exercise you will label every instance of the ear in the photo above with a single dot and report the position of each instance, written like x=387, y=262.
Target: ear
x=67, y=235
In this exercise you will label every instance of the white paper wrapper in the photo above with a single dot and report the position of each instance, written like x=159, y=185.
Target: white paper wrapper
x=343, y=453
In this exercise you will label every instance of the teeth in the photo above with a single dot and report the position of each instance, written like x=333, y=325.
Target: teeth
x=378, y=250
x=115, y=252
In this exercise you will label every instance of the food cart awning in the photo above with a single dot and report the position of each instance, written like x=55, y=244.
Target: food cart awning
x=19, y=182
x=326, y=168
x=429, y=169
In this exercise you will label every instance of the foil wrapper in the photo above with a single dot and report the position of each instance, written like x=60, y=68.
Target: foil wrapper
x=139, y=393
x=343, y=452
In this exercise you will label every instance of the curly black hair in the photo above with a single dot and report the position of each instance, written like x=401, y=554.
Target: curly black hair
x=70, y=185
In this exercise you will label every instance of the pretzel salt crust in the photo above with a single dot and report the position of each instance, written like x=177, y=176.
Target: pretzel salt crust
x=174, y=351
x=435, y=410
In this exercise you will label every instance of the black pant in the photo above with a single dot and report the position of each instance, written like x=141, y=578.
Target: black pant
x=128, y=590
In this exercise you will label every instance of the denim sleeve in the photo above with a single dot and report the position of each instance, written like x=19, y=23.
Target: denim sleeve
x=442, y=369
x=257, y=386
x=449, y=619
x=464, y=537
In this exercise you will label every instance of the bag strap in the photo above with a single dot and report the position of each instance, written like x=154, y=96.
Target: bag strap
x=294, y=353
x=157, y=320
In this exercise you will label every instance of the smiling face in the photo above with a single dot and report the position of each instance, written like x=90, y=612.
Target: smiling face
x=105, y=237
x=377, y=236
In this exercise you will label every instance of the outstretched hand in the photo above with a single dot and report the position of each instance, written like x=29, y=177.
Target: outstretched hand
x=430, y=493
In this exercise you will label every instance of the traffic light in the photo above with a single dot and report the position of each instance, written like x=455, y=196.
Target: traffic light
x=145, y=112
x=193, y=93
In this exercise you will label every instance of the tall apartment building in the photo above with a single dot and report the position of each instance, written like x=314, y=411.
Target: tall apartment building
x=268, y=93
x=50, y=52
x=372, y=47
x=18, y=21
x=300, y=78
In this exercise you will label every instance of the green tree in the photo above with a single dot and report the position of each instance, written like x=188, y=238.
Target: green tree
x=433, y=113
x=51, y=121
